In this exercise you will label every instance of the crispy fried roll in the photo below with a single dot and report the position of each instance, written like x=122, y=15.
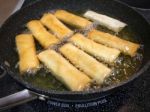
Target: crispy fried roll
x=125, y=46
x=72, y=19
x=86, y=63
x=58, y=28
x=27, y=53
x=41, y=34
x=106, y=21
x=64, y=71
x=101, y=52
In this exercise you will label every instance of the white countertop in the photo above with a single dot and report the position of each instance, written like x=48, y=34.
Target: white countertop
x=8, y=7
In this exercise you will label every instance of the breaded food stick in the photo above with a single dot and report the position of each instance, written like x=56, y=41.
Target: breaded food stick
x=64, y=71
x=72, y=19
x=106, y=54
x=106, y=21
x=45, y=38
x=94, y=69
x=125, y=46
x=57, y=27
x=28, y=61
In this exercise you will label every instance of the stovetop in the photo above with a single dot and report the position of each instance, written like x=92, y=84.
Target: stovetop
x=135, y=98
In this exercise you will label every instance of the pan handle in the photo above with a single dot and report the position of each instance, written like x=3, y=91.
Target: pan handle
x=17, y=99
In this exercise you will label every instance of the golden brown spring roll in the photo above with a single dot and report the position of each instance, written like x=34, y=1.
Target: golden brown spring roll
x=64, y=71
x=72, y=19
x=27, y=53
x=99, y=51
x=86, y=63
x=125, y=46
x=58, y=28
x=45, y=38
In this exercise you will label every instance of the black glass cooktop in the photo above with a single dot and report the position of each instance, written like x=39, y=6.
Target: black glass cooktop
x=134, y=98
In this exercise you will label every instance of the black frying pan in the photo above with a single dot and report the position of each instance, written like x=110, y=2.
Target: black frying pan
x=16, y=24
x=138, y=3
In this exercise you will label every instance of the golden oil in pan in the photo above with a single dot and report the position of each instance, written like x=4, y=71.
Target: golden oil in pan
x=44, y=80
x=124, y=67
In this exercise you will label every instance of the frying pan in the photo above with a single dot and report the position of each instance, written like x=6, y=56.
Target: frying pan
x=138, y=3
x=16, y=24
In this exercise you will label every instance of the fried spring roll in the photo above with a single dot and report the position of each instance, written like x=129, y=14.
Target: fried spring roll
x=125, y=46
x=27, y=53
x=45, y=38
x=86, y=63
x=64, y=71
x=72, y=19
x=99, y=51
x=106, y=21
x=58, y=28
